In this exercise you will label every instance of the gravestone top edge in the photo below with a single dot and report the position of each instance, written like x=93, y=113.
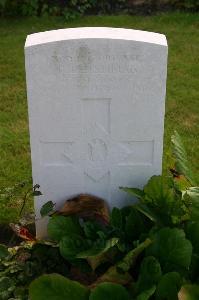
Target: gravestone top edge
x=95, y=33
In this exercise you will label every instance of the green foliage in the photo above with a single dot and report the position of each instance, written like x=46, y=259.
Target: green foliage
x=60, y=226
x=182, y=165
x=98, y=248
x=145, y=295
x=186, y=4
x=145, y=252
x=171, y=248
x=70, y=9
x=71, y=245
x=192, y=233
x=160, y=203
x=47, y=208
x=135, y=225
x=109, y=291
x=170, y=201
x=191, y=196
x=3, y=252
x=149, y=274
x=25, y=263
x=21, y=192
x=57, y=287
x=169, y=286
x=7, y=286
x=92, y=230
x=74, y=8
x=129, y=259
x=116, y=218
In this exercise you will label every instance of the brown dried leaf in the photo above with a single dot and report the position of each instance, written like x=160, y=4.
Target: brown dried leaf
x=86, y=206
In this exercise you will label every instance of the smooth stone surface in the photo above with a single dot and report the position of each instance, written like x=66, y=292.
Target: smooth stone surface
x=96, y=100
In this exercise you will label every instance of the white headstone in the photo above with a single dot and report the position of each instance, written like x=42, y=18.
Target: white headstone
x=96, y=100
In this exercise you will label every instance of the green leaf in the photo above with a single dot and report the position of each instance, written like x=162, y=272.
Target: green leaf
x=37, y=193
x=181, y=164
x=145, y=295
x=98, y=253
x=129, y=260
x=133, y=191
x=192, y=233
x=91, y=229
x=158, y=192
x=71, y=245
x=57, y=287
x=162, y=201
x=192, y=196
x=47, y=208
x=116, y=218
x=60, y=226
x=150, y=274
x=99, y=248
x=169, y=286
x=148, y=212
x=194, y=267
x=171, y=248
x=189, y=292
x=109, y=291
x=3, y=251
x=134, y=226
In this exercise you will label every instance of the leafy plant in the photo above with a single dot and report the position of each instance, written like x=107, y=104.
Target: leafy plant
x=146, y=251
x=73, y=8
x=109, y=291
x=57, y=287
x=170, y=201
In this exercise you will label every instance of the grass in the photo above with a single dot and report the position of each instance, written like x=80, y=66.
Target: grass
x=182, y=106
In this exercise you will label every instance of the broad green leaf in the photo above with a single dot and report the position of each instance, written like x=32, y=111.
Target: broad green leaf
x=109, y=291
x=145, y=295
x=71, y=245
x=192, y=196
x=171, y=248
x=134, y=224
x=57, y=287
x=134, y=192
x=116, y=218
x=98, y=253
x=169, y=286
x=157, y=192
x=189, y=292
x=129, y=260
x=99, y=248
x=161, y=199
x=47, y=208
x=60, y=226
x=194, y=267
x=91, y=229
x=192, y=233
x=149, y=275
x=181, y=160
x=3, y=251
x=148, y=212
